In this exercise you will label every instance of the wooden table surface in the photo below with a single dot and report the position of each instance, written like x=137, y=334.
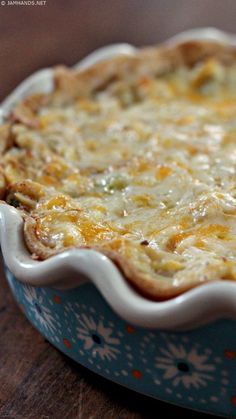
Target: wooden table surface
x=36, y=380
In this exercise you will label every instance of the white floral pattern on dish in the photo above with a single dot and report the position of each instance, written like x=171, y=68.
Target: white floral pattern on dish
x=143, y=357
x=97, y=337
x=186, y=367
x=39, y=310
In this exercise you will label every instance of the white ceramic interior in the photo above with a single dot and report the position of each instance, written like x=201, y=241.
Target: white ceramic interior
x=71, y=268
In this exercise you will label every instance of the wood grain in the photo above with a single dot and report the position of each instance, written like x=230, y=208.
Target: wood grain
x=36, y=380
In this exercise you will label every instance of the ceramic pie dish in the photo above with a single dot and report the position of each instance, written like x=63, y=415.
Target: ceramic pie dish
x=81, y=303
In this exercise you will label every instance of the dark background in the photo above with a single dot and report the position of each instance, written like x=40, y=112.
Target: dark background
x=63, y=31
x=36, y=381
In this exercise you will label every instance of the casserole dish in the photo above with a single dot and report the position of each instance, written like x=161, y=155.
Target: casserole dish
x=192, y=368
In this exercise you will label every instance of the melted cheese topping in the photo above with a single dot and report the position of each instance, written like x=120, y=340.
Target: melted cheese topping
x=146, y=171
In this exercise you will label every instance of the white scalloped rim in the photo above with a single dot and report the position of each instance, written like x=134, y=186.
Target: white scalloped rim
x=71, y=268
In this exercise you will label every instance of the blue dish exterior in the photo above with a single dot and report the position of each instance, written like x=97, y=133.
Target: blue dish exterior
x=195, y=369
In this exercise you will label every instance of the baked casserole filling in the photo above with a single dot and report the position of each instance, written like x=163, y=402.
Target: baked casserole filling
x=134, y=157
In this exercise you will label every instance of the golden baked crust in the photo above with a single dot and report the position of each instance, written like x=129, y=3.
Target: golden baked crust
x=134, y=157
